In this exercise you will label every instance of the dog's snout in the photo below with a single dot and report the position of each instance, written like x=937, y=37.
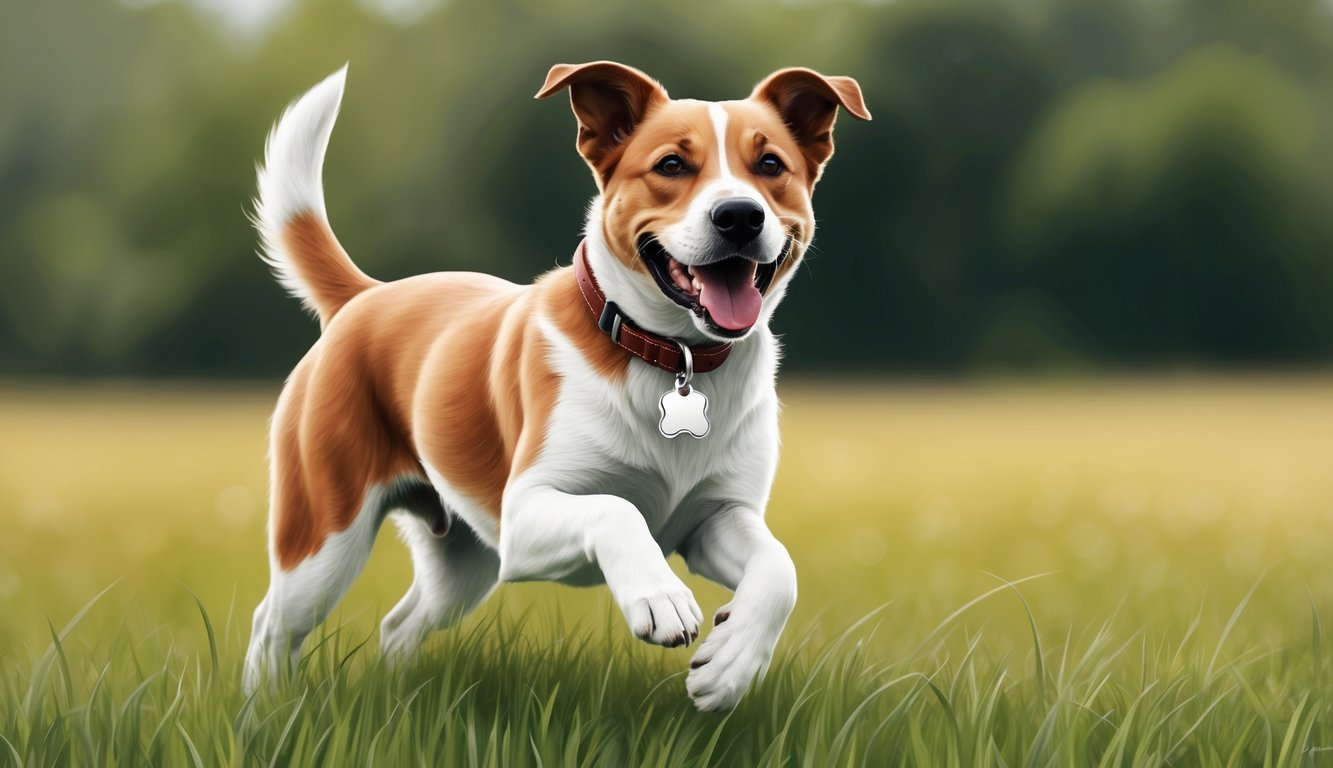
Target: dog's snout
x=738, y=219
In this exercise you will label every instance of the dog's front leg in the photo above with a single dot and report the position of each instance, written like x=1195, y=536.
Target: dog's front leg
x=735, y=548
x=549, y=535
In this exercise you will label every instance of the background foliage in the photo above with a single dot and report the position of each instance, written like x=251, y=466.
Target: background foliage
x=1047, y=183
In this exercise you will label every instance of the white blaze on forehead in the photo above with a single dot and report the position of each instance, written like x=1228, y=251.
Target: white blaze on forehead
x=727, y=184
x=719, y=116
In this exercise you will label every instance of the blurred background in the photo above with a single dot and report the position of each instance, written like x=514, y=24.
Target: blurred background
x=1048, y=185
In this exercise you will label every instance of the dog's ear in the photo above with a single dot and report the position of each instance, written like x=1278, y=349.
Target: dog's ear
x=808, y=102
x=609, y=100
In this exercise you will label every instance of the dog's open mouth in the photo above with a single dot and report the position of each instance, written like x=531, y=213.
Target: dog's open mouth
x=728, y=294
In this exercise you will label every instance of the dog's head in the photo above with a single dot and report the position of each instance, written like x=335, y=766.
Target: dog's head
x=705, y=206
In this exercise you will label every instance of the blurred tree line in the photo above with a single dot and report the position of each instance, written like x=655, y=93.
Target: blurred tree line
x=1046, y=184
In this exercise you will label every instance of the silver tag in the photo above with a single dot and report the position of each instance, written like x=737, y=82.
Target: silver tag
x=684, y=408
x=684, y=411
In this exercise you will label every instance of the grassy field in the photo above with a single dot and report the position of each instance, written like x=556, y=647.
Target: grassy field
x=1129, y=573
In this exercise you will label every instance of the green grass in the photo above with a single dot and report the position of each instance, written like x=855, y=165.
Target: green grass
x=1134, y=573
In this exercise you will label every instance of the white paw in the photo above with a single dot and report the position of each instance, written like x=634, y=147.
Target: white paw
x=399, y=644
x=727, y=663
x=668, y=616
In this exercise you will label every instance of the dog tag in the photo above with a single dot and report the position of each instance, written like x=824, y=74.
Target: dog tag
x=684, y=411
x=684, y=408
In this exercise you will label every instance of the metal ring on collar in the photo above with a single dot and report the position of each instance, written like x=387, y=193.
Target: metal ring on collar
x=683, y=378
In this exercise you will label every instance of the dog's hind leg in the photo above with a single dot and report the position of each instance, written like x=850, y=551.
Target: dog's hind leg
x=453, y=574
x=326, y=506
x=339, y=464
x=301, y=597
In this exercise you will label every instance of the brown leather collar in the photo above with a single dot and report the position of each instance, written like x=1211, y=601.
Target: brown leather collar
x=661, y=351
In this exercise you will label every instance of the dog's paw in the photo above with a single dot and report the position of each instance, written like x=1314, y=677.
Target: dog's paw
x=667, y=617
x=727, y=664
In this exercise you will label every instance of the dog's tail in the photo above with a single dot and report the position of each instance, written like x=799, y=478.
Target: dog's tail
x=297, y=241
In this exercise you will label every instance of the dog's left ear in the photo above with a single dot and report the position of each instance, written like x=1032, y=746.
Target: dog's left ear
x=609, y=100
x=808, y=102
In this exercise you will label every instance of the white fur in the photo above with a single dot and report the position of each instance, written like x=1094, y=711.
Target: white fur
x=608, y=498
x=291, y=180
x=718, y=114
x=735, y=549
x=452, y=574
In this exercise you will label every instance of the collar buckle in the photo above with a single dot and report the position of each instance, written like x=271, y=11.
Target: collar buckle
x=610, y=321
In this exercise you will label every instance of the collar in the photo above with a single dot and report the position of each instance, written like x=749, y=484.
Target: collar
x=661, y=351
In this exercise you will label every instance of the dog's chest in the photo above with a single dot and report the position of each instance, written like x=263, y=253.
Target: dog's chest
x=604, y=438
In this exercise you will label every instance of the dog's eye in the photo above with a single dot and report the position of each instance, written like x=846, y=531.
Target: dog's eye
x=770, y=165
x=671, y=165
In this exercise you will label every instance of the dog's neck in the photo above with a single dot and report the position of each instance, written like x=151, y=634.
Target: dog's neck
x=635, y=293
x=663, y=352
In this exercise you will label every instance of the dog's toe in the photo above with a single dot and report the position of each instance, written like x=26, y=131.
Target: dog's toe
x=731, y=658
x=670, y=619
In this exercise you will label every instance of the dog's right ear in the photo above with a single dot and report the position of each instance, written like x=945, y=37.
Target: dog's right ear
x=609, y=100
x=808, y=103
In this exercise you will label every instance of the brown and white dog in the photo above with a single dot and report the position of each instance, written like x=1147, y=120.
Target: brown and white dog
x=519, y=432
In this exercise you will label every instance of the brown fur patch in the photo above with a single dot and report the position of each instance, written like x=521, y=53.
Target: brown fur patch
x=320, y=261
x=563, y=303
x=468, y=404
x=330, y=444
x=638, y=200
x=451, y=365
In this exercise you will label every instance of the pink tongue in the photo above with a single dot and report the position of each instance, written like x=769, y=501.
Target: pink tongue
x=729, y=293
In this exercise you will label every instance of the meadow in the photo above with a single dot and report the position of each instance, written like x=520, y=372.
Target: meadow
x=1127, y=572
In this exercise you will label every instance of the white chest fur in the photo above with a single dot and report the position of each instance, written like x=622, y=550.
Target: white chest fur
x=603, y=437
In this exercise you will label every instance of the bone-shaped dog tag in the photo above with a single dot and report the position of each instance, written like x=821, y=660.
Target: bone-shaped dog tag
x=684, y=411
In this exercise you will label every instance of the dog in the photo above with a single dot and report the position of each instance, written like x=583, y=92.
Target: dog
x=578, y=429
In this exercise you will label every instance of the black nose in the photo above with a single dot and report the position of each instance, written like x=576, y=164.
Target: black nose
x=738, y=219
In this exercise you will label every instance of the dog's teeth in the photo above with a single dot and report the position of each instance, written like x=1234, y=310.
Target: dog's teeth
x=682, y=276
x=679, y=275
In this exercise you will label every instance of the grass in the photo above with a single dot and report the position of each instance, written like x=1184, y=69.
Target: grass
x=1132, y=573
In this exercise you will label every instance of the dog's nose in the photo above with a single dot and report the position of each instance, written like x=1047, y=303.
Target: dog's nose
x=738, y=219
